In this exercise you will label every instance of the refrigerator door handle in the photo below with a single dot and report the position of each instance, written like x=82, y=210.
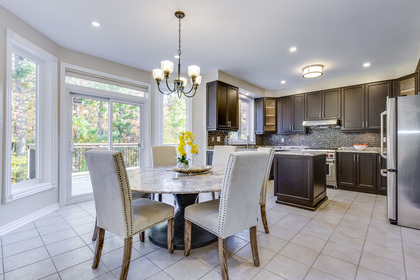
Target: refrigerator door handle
x=384, y=113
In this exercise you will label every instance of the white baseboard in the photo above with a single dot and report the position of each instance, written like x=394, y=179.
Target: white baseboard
x=22, y=221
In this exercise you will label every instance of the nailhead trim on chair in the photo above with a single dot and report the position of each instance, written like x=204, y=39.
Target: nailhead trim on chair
x=223, y=194
x=125, y=192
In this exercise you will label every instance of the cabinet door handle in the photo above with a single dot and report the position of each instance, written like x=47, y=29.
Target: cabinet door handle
x=358, y=157
x=379, y=159
x=354, y=157
x=293, y=127
x=363, y=124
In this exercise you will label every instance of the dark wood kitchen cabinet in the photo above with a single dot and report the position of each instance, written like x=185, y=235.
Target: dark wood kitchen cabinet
x=363, y=104
x=290, y=114
x=353, y=104
x=407, y=85
x=322, y=105
x=357, y=171
x=222, y=106
x=300, y=180
x=375, y=95
x=265, y=115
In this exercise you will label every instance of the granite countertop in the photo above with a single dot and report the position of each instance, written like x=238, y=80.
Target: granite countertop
x=299, y=153
x=369, y=150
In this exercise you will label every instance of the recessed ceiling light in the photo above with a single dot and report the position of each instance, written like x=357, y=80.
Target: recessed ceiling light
x=246, y=93
x=95, y=23
x=283, y=82
x=176, y=56
x=292, y=49
x=367, y=64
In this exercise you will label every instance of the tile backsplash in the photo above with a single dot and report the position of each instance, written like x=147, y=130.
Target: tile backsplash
x=212, y=137
x=321, y=138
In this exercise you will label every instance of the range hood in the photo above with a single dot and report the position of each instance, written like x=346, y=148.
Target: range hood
x=324, y=123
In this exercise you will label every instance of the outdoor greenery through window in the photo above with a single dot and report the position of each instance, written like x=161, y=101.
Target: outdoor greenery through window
x=24, y=118
x=242, y=133
x=174, y=116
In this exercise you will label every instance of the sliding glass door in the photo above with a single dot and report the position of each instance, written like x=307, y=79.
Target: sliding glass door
x=106, y=124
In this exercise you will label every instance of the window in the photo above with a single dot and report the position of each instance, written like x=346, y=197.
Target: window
x=245, y=124
x=174, y=115
x=31, y=113
x=93, y=81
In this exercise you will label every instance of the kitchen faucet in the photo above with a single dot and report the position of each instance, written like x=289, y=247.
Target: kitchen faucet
x=227, y=140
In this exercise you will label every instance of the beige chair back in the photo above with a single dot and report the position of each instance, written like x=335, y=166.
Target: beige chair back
x=270, y=152
x=164, y=155
x=221, y=155
x=239, y=200
x=111, y=191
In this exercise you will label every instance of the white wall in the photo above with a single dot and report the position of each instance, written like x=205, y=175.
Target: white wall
x=24, y=207
x=20, y=208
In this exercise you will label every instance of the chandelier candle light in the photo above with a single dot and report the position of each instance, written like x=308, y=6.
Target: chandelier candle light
x=167, y=67
x=186, y=138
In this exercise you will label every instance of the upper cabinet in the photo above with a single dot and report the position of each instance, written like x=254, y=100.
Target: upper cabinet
x=290, y=114
x=265, y=115
x=222, y=106
x=407, y=85
x=363, y=104
x=323, y=105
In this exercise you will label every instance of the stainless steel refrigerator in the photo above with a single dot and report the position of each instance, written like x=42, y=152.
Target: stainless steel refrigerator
x=402, y=145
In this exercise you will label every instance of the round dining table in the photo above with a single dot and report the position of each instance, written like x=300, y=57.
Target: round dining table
x=185, y=188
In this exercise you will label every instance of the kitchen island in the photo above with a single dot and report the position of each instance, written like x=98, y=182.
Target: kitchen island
x=299, y=179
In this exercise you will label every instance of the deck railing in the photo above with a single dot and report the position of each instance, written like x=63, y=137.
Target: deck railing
x=130, y=152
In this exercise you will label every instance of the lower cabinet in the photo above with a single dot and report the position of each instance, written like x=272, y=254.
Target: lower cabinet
x=359, y=172
x=300, y=180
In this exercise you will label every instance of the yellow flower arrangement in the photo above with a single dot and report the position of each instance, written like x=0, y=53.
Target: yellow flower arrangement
x=186, y=138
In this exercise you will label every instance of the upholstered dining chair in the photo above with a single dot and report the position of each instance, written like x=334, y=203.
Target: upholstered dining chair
x=134, y=196
x=221, y=156
x=263, y=195
x=237, y=208
x=164, y=156
x=116, y=212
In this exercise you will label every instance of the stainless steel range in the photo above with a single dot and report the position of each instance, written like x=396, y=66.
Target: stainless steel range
x=330, y=155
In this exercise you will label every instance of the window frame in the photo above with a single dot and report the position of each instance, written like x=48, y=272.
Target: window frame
x=159, y=117
x=47, y=135
x=250, y=123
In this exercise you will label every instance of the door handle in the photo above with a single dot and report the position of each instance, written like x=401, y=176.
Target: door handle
x=358, y=157
x=354, y=157
x=384, y=173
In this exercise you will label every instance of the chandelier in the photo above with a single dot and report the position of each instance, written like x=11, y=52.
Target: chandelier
x=167, y=67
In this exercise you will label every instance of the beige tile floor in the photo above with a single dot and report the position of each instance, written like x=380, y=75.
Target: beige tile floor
x=348, y=238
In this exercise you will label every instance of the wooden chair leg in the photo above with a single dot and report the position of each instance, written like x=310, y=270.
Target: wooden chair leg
x=171, y=236
x=99, y=246
x=213, y=195
x=254, y=247
x=187, y=238
x=95, y=230
x=160, y=197
x=264, y=218
x=141, y=236
x=128, y=243
x=223, y=259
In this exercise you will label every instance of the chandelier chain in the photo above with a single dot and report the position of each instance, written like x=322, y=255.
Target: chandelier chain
x=179, y=38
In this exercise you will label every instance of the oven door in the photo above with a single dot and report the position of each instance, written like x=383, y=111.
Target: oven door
x=330, y=173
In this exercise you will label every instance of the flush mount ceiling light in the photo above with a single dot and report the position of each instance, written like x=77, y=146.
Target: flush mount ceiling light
x=292, y=49
x=313, y=71
x=95, y=23
x=167, y=67
x=283, y=82
x=367, y=64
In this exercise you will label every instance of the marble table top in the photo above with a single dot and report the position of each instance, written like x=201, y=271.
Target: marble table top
x=164, y=180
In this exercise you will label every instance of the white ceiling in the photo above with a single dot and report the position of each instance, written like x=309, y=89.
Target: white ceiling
x=248, y=39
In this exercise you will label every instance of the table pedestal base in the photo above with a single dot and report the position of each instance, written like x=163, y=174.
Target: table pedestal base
x=158, y=234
